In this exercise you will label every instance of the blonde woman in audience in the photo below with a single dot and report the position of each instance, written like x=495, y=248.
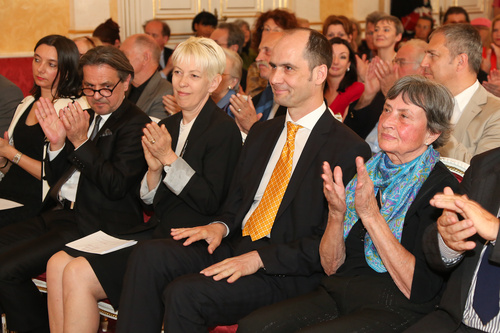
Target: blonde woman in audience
x=191, y=157
x=55, y=75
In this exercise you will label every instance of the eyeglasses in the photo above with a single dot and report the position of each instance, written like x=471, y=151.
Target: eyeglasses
x=401, y=62
x=104, y=92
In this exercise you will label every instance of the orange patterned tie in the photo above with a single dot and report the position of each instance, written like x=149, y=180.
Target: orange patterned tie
x=261, y=221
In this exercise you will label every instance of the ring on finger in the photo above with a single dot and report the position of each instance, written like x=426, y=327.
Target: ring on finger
x=239, y=110
x=153, y=141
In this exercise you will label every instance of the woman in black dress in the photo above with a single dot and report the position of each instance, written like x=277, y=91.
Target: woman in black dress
x=21, y=147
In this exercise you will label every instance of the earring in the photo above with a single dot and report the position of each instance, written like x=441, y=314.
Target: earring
x=348, y=69
x=229, y=87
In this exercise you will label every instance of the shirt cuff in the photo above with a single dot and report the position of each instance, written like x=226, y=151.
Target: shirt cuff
x=53, y=154
x=448, y=255
x=146, y=194
x=178, y=175
x=227, y=228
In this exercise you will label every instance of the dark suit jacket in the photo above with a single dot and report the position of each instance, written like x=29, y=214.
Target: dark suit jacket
x=293, y=248
x=111, y=168
x=212, y=150
x=482, y=184
x=151, y=101
x=167, y=52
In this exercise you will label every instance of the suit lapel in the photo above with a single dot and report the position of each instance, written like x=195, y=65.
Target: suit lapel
x=315, y=142
x=489, y=192
x=200, y=125
x=470, y=111
x=112, y=121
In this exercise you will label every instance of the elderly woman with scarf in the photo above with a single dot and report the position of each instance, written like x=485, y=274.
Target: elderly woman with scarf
x=378, y=280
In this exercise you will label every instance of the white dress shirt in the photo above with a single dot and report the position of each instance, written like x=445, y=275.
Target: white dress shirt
x=69, y=189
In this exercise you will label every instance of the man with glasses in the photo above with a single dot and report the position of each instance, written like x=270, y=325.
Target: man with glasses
x=94, y=163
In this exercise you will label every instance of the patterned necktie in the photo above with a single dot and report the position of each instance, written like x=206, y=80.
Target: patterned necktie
x=486, y=294
x=261, y=221
x=96, y=127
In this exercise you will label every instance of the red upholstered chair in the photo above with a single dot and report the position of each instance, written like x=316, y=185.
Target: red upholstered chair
x=18, y=70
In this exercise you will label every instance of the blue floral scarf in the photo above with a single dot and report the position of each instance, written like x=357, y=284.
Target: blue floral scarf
x=400, y=184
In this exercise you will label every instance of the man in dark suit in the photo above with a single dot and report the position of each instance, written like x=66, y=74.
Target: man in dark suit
x=460, y=247
x=94, y=164
x=148, y=88
x=283, y=260
x=160, y=31
x=263, y=106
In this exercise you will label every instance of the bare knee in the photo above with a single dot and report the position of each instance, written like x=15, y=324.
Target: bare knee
x=56, y=265
x=79, y=276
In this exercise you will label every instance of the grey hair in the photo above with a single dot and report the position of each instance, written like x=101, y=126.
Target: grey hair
x=462, y=38
x=434, y=98
x=236, y=68
x=107, y=55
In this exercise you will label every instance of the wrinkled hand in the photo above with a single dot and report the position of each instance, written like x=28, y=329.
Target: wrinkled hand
x=170, y=104
x=159, y=143
x=364, y=197
x=244, y=112
x=235, y=267
x=76, y=123
x=211, y=233
x=49, y=121
x=334, y=190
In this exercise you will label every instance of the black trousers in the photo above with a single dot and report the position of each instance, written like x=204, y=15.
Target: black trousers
x=25, y=248
x=340, y=305
x=440, y=321
x=162, y=283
